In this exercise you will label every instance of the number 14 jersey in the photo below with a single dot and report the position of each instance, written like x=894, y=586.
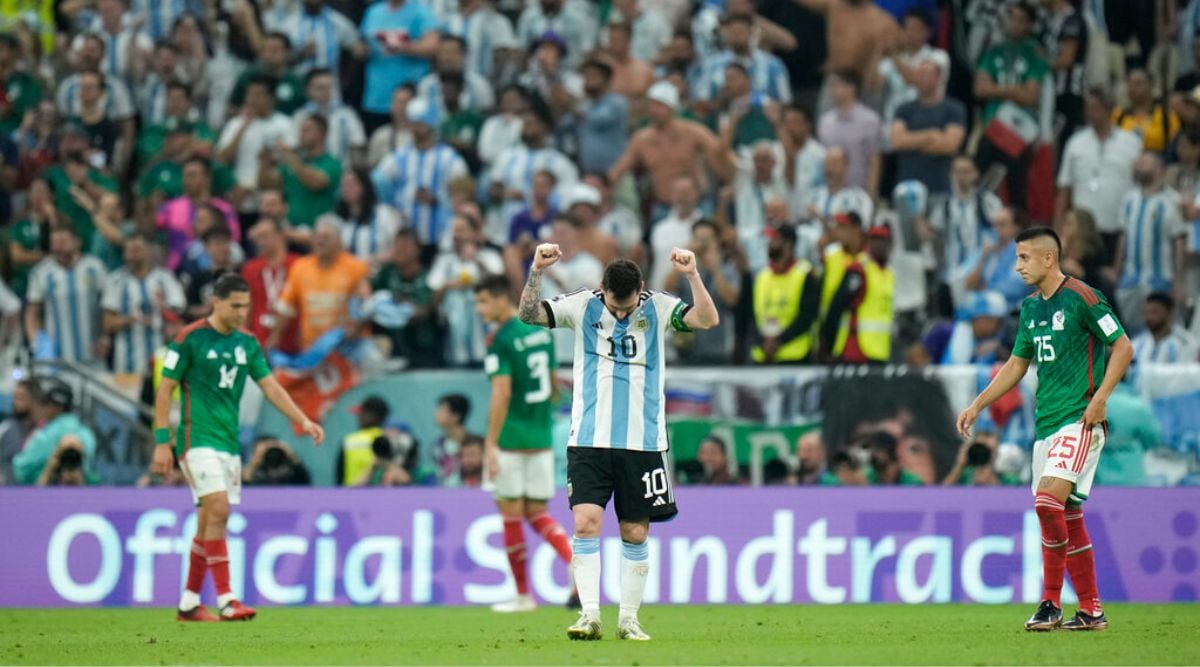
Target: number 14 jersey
x=618, y=374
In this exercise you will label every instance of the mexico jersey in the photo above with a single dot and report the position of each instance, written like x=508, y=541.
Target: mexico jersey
x=525, y=354
x=618, y=368
x=1066, y=335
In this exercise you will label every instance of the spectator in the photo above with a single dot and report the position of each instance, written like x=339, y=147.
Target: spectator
x=200, y=277
x=529, y=226
x=15, y=430
x=45, y=460
x=569, y=20
x=1133, y=432
x=650, y=30
x=403, y=37
x=414, y=178
x=928, y=132
x=977, y=462
x=1163, y=341
x=370, y=226
x=163, y=180
x=90, y=116
x=118, y=104
x=604, y=119
x=899, y=70
x=152, y=92
x=804, y=157
x=1096, y=169
x=274, y=71
x=679, y=57
x=257, y=130
x=40, y=140
x=857, y=325
x=452, y=278
x=1147, y=117
x=582, y=203
x=1067, y=51
x=1008, y=80
x=1183, y=176
x=885, y=468
x=976, y=337
x=320, y=287
x=394, y=134
x=811, y=455
x=575, y=269
x=470, y=464
x=714, y=457
x=475, y=94
x=993, y=268
x=675, y=230
x=266, y=274
x=125, y=43
x=1083, y=252
x=78, y=187
x=787, y=299
x=274, y=463
x=768, y=76
x=22, y=90
x=631, y=76
x=761, y=196
x=856, y=37
x=460, y=125
x=489, y=36
x=29, y=235
x=721, y=275
x=1150, y=257
x=510, y=180
x=63, y=315
x=319, y=34
x=450, y=416
x=846, y=471
x=964, y=220
x=139, y=301
x=346, y=140
x=838, y=195
x=745, y=117
x=855, y=129
x=616, y=220
x=179, y=114
x=309, y=176
x=178, y=216
x=403, y=283
x=360, y=463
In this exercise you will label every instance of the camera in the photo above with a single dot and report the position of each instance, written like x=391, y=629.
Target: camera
x=274, y=457
x=70, y=459
x=382, y=447
x=979, y=455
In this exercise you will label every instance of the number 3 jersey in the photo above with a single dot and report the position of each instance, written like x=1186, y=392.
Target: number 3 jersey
x=618, y=368
x=524, y=353
x=1066, y=335
x=211, y=369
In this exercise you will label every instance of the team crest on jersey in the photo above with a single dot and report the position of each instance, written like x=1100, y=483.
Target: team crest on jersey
x=1059, y=321
x=641, y=324
x=239, y=355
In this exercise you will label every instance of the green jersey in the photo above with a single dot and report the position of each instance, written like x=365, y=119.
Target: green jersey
x=212, y=369
x=524, y=353
x=1065, y=335
x=307, y=205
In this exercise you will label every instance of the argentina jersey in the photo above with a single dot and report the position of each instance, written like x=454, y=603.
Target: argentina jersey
x=70, y=302
x=618, y=374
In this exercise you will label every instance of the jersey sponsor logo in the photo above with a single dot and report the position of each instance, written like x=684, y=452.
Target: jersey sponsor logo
x=239, y=355
x=212, y=354
x=1108, y=324
x=1059, y=321
x=171, y=360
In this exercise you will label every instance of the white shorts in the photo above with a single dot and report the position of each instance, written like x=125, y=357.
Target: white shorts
x=524, y=474
x=209, y=471
x=1070, y=454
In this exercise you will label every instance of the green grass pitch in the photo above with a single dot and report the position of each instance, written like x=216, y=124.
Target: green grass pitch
x=683, y=635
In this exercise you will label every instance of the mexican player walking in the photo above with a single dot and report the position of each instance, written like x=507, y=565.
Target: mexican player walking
x=1064, y=326
x=209, y=361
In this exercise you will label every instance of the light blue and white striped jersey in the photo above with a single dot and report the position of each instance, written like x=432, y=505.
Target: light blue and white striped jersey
x=398, y=177
x=70, y=300
x=116, y=61
x=328, y=31
x=618, y=368
x=768, y=76
x=368, y=239
x=125, y=294
x=152, y=99
x=476, y=94
x=1178, y=346
x=847, y=199
x=484, y=31
x=809, y=174
x=515, y=167
x=118, y=105
x=1151, y=223
x=162, y=14
x=345, y=128
x=963, y=228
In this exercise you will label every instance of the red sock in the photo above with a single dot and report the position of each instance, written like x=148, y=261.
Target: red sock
x=548, y=528
x=514, y=542
x=1054, y=545
x=196, y=566
x=218, y=562
x=1081, y=564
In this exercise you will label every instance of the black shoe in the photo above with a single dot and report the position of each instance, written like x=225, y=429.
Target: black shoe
x=573, y=601
x=1082, y=621
x=1047, y=617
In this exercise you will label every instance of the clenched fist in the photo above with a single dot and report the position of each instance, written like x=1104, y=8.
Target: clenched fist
x=684, y=261
x=545, y=255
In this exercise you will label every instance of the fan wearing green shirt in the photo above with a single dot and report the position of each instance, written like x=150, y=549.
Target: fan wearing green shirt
x=273, y=58
x=19, y=92
x=308, y=176
x=180, y=111
x=163, y=180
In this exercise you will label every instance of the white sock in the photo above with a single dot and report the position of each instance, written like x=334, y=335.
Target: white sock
x=585, y=570
x=189, y=600
x=635, y=565
x=225, y=599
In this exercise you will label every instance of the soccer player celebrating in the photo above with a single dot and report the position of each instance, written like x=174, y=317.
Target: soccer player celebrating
x=1063, y=326
x=519, y=461
x=210, y=359
x=618, y=443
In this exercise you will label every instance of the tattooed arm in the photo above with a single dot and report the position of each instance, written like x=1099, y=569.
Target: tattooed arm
x=530, y=310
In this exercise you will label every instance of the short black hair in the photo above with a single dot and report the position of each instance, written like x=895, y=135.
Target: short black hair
x=604, y=68
x=1039, y=231
x=265, y=80
x=496, y=285
x=622, y=277
x=801, y=109
x=316, y=72
x=704, y=222
x=718, y=441
x=1027, y=9
x=218, y=232
x=452, y=79
x=849, y=77
x=458, y=404
x=1163, y=298
x=322, y=122
x=1101, y=95
x=176, y=84
x=738, y=17
x=920, y=15
x=408, y=233
x=451, y=37
x=281, y=36
x=67, y=228
x=734, y=65
x=229, y=283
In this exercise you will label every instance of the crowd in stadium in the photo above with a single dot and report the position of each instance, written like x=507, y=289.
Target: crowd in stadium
x=850, y=174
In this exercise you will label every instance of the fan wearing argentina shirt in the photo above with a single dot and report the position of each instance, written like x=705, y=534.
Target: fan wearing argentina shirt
x=618, y=442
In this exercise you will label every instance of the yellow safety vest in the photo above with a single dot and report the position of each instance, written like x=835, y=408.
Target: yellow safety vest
x=357, y=455
x=777, y=299
x=874, y=322
x=836, y=264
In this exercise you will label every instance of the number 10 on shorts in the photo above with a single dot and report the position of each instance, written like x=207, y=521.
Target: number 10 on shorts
x=656, y=482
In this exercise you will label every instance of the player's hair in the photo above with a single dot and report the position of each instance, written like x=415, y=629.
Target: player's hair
x=219, y=231
x=410, y=234
x=196, y=159
x=920, y=15
x=448, y=79
x=273, y=223
x=1101, y=95
x=316, y=72
x=605, y=70
x=736, y=66
x=1039, y=231
x=730, y=19
x=850, y=78
x=66, y=228
x=496, y=285
x=281, y=36
x=803, y=110
x=148, y=239
x=705, y=222
x=1164, y=299
x=1027, y=9
x=320, y=120
x=716, y=440
x=265, y=80
x=622, y=278
x=447, y=37
x=458, y=404
x=229, y=283
x=176, y=84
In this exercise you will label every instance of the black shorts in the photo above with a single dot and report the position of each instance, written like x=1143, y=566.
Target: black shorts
x=640, y=482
